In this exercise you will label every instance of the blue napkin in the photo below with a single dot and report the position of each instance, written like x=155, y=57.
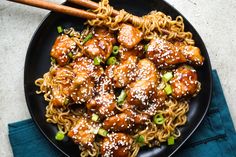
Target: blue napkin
x=215, y=137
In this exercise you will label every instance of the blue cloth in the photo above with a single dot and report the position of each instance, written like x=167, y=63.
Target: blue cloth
x=215, y=137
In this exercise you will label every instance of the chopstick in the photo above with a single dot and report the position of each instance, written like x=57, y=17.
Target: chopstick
x=72, y=11
x=57, y=8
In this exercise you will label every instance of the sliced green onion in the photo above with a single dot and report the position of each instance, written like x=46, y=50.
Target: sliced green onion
x=168, y=89
x=59, y=29
x=158, y=119
x=121, y=97
x=71, y=34
x=87, y=38
x=102, y=132
x=171, y=140
x=59, y=136
x=70, y=54
x=167, y=76
x=95, y=117
x=66, y=101
x=146, y=48
x=140, y=139
x=53, y=60
x=97, y=61
x=111, y=61
x=115, y=50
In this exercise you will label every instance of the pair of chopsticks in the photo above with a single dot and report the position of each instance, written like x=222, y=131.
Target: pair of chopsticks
x=66, y=9
x=70, y=10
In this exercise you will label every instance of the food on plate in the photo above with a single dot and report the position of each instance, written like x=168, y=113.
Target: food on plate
x=119, y=85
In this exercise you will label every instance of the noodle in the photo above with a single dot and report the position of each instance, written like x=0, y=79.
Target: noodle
x=153, y=25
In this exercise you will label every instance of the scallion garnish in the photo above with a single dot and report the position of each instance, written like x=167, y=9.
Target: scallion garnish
x=87, y=38
x=59, y=29
x=115, y=50
x=140, y=139
x=102, y=132
x=168, y=89
x=59, y=136
x=158, y=119
x=66, y=101
x=121, y=97
x=95, y=117
x=145, y=48
x=111, y=61
x=53, y=60
x=167, y=76
x=97, y=61
x=70, y=54
x=171, y=140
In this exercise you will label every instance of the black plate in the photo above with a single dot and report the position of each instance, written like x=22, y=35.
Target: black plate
x=38, y=62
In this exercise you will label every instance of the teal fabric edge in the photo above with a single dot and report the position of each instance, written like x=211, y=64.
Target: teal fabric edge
x=228, y=125
x=27, y=141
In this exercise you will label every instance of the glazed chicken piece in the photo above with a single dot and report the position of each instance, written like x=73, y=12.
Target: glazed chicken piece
x=184, y=82
x=104, y=105
x=84, y=64
x=125, y=53
x=81, y=133
x=104, y=85
x=124, y=121
x=146, y=70
x=119, y=122
x=192, y=54
x=62, y=46
x=124, y=73
x=116, y=145
x=84, y=81
x=142, y=93
x=109, y=72
x=105, y=33
x=165, y=54
x=129, y=36
x=62, y=77
x=100, y=45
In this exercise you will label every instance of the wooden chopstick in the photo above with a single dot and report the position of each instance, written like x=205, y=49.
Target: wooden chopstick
x=57, y=8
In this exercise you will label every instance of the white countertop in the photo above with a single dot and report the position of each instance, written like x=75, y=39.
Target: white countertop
x=214, y=20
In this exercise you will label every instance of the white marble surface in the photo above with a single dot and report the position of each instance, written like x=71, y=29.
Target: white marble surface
x=214, y=20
